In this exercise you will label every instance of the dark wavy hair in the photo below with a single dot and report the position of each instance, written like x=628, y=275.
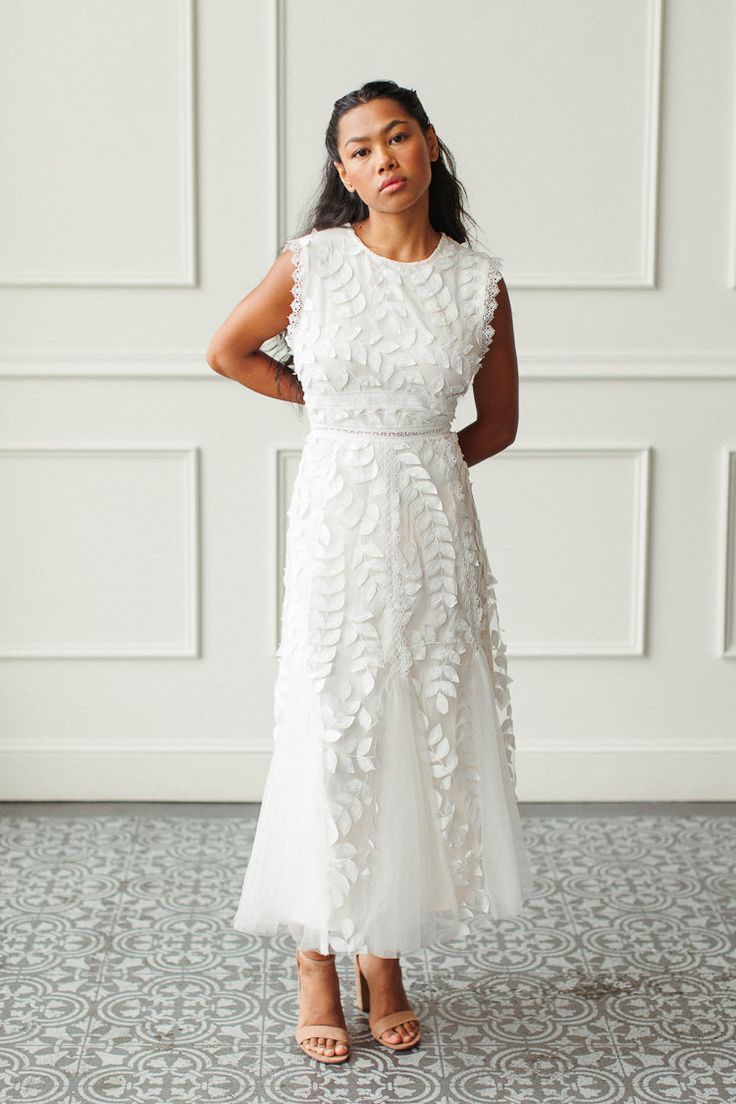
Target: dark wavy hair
x=335, y=205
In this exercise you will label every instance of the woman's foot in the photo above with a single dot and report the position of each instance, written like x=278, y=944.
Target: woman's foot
x=387, y=995
x=320, y=1002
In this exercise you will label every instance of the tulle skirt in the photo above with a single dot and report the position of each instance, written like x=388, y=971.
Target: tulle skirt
x=430, y=840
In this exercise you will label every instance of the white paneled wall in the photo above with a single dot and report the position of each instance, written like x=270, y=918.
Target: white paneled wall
x=156, y=154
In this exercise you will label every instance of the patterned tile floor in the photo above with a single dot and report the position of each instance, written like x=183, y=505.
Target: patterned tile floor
x=122, y=979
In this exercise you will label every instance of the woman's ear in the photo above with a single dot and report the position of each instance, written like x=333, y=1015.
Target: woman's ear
x=340, y=169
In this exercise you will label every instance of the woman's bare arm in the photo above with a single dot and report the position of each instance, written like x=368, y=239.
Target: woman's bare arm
x=496, y=390
x=235, y=348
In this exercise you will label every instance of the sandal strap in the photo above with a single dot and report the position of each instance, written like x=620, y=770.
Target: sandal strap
x=392, y=1020
x=321, y=1031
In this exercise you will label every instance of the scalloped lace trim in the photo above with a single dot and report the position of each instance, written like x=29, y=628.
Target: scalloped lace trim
x=297, y=295
x=488, y=309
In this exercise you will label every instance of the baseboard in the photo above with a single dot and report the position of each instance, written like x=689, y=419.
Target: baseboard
x=212, y=774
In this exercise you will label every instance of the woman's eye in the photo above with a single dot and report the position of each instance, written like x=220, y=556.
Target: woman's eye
x=362, y=150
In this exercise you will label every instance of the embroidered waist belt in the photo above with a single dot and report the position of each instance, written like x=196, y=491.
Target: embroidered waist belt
x=424, y=431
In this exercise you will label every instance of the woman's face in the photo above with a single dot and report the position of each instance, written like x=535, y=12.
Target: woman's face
x=390, y=142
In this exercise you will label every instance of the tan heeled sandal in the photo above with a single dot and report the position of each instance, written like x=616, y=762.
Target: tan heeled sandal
x=384, y=1023
x=319, y=1031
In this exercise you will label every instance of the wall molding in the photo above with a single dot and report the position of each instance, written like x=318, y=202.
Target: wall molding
x=187, y=274
x=278, y=75
x=192, y=364
x=646, y=275
x=658, y=772
x=640, y=456
x=643, y=277
x=731, y=239
x=189, y=646
x=726, y=645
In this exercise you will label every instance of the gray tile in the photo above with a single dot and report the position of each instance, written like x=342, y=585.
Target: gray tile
x=121, y=977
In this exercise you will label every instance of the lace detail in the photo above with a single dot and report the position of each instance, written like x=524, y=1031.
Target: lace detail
x=489, y=303
x=298, y=248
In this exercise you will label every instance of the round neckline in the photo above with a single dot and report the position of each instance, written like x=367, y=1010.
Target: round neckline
x=390, y=260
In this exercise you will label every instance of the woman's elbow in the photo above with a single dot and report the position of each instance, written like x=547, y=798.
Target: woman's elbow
x=215, y=358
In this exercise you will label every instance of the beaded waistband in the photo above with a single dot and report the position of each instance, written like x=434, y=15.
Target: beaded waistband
x=425, y=431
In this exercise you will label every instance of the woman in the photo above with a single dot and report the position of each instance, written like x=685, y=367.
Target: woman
x=389, y=815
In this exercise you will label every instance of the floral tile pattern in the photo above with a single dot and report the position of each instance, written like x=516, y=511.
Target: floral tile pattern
x=121, y=978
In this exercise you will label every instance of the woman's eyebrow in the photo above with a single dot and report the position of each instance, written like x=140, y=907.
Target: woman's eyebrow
x=383, y=130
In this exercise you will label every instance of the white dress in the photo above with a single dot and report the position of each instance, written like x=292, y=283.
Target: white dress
x=389, y=813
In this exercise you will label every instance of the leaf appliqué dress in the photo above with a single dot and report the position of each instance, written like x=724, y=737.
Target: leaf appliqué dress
x=389, y=815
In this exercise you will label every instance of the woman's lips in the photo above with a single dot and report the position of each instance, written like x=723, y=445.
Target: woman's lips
x=394, y=187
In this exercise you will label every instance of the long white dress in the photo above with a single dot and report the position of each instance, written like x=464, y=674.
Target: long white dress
x=389, y=814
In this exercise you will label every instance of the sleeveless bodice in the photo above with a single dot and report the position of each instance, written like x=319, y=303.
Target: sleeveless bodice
x=387, y=345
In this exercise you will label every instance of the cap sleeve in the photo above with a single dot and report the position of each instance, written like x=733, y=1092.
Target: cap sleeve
x=491, y=274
